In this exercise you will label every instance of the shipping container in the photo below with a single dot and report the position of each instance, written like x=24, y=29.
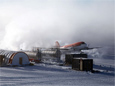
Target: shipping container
x=82, y=64
x=69, y=57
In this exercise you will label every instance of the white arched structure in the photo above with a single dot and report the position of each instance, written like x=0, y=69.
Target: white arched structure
x=14, y=57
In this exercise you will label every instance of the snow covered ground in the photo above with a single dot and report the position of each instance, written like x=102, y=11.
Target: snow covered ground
x=45, y=74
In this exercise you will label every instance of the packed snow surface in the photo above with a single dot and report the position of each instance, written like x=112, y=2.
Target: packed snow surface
x=47, y=74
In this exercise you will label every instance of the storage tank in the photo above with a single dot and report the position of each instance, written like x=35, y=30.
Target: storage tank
x=14, y=57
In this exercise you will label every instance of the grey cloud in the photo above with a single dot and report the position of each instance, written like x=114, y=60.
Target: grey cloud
x=36, y=23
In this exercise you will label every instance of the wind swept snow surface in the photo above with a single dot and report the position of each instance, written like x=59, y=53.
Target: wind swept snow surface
x=45, y=74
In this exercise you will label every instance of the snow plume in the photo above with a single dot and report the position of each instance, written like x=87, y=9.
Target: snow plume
x=38, y=23
x=102, y=53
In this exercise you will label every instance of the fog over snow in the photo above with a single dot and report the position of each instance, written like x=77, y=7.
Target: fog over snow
x=39, y=23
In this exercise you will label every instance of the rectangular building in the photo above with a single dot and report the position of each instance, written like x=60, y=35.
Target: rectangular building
x=82, y=64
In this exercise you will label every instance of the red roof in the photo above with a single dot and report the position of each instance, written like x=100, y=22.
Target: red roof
x=74, y=44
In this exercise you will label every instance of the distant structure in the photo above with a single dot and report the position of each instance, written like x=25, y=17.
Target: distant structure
x=44, y=53
x=34, y=55
x=14, y=58
x=55, y=53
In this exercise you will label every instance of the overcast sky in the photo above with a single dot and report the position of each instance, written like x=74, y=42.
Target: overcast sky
x=28, y=23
